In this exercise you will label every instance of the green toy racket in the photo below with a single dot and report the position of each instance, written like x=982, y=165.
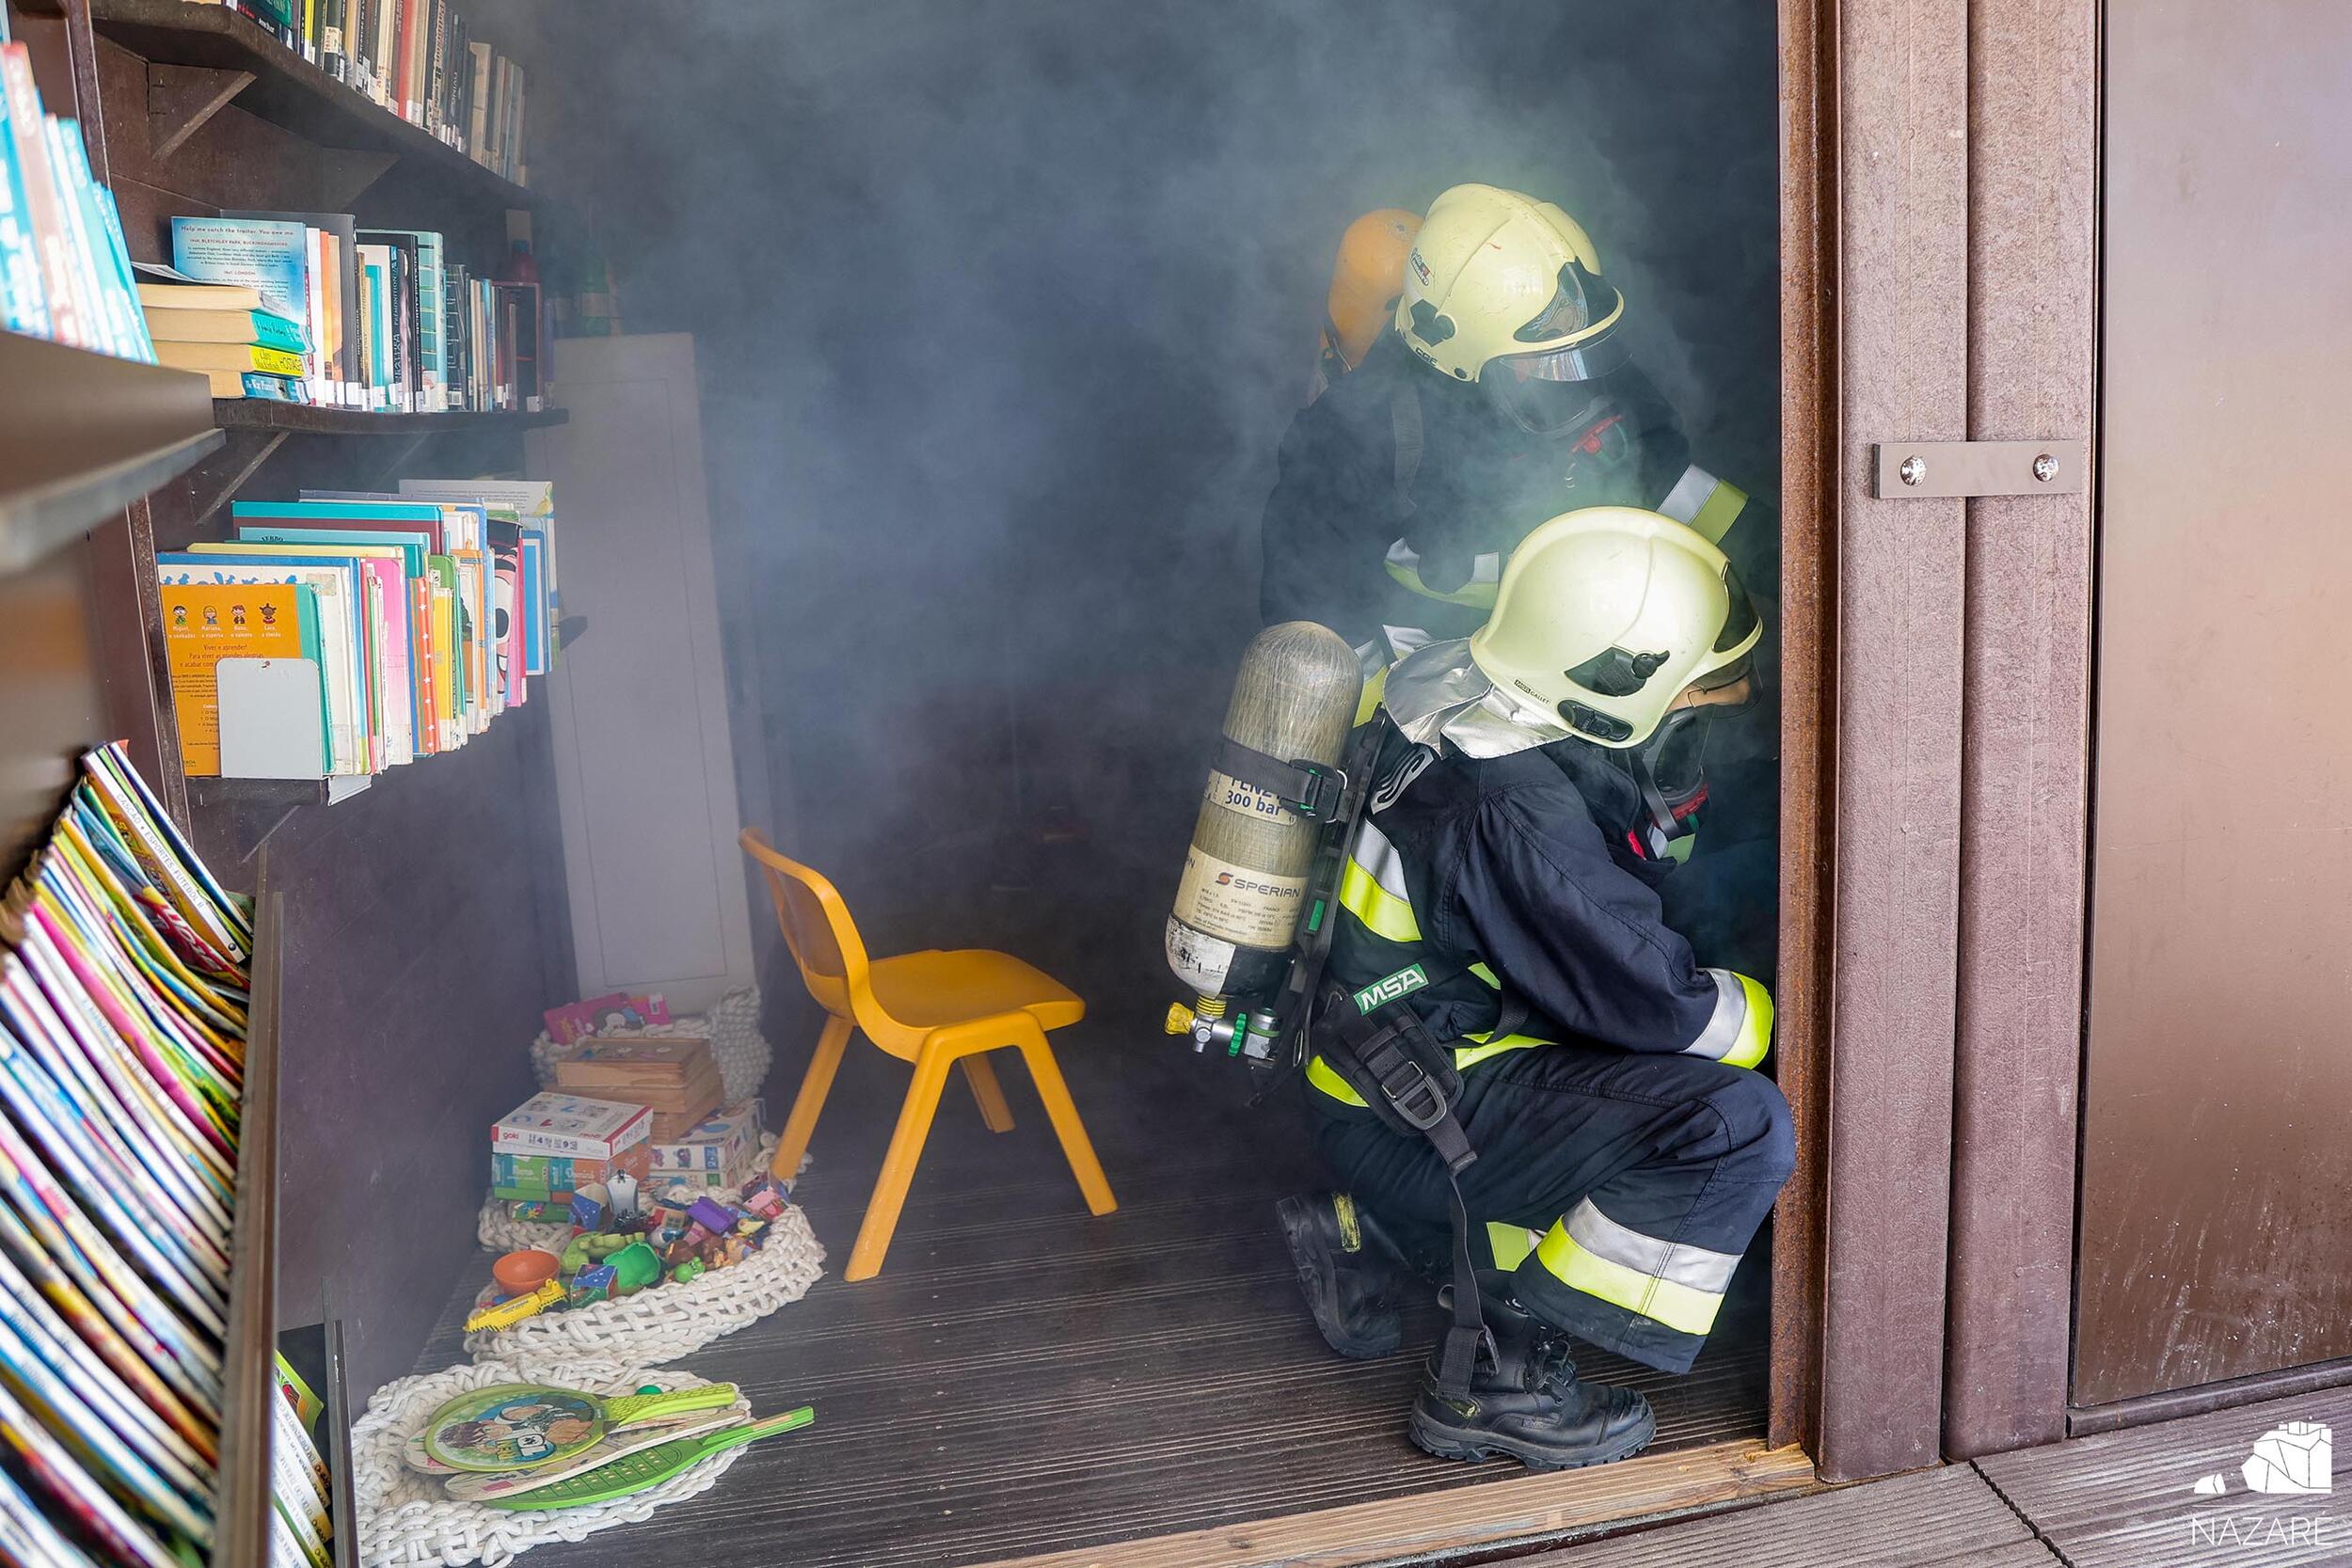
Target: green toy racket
x=521, y=1426
x=648, y=1467
x=612, y=1445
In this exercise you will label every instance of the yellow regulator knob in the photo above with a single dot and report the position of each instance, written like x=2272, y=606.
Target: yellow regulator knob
x=1179, y=1019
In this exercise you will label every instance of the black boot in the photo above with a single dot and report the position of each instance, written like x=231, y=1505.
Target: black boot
x=1347, y=1269
x=1528, y=1402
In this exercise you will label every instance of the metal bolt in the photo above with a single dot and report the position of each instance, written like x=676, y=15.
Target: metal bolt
x=2045, y=467
x=1914, y=469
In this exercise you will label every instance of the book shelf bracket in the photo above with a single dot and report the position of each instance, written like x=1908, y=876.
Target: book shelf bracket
x=180, y=99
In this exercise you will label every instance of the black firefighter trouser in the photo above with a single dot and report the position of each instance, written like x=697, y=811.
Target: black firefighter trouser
x=1618, y=1188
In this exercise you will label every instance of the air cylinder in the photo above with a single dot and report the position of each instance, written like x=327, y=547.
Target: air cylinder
x=1246, y=874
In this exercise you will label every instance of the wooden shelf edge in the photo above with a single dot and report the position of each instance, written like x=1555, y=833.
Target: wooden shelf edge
x=241, y=1502
x=287, y=90
x=37, y=522
x=306, y=418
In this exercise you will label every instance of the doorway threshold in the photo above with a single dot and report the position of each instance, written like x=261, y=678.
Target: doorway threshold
x=1526, y=1513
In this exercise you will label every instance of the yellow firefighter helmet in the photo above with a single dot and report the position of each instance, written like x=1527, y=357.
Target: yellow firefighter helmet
x=1498, y=276
x=1605, y=616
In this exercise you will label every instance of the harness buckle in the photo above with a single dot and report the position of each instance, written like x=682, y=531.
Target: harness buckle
x=1320, y=791
x=1414, y=1094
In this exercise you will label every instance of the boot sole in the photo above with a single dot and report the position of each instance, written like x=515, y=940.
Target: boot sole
x=1315, y=1282
x=1471, y=1445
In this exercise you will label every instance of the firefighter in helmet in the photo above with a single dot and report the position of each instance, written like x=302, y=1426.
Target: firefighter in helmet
x=1503, y=396
x=1614, y=1148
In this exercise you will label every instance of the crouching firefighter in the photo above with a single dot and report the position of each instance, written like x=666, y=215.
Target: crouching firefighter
x=1508, y=1043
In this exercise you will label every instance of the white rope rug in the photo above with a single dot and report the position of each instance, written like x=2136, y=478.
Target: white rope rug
x=406, y=1520
x=668, y=1321
x=737, y=1045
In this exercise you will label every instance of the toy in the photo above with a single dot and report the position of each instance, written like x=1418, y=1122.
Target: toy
x=650, y=1466
x=518, y=1426
x=592, y=1284
x=589, y=1206
x=622, y=1188
x=518, y=1274
x=711, y=1215
x=765, y=1203
x=611, y=1446
x=692, y=1269
x=505, y=1314
x=537, y=1213
x=634, y=1267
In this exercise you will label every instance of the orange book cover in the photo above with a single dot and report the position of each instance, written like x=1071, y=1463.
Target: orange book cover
x=205, y=622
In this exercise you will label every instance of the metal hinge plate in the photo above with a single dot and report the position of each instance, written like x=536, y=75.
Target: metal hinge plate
x=1923, y=468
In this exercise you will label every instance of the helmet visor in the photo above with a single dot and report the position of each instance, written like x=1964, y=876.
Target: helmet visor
x=1546, y=394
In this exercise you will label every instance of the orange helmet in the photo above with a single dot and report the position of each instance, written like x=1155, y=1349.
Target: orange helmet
x=1366, y=279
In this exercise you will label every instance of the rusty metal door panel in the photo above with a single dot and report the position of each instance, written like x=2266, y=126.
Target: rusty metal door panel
x=2216, y=1176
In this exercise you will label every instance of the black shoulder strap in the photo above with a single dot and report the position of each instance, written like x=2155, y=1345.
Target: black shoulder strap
x=1405, y=421
x=1305, y=788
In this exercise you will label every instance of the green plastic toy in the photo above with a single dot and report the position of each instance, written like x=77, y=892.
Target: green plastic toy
x=646, y=1468
x=634, y=1267
x=520, y=1426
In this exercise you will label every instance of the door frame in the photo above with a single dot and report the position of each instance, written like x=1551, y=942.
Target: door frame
x=1935, y=726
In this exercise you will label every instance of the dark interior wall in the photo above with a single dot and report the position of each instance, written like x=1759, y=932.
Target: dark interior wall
x=1003, y=308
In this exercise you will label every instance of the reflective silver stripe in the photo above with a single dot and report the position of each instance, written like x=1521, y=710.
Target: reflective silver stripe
x=1729, y=1017
x=1380, y=861
x=1690, y=492
x=1406, y=640
x=1371, y=659
x=1676, y=1261
x=1486, y=566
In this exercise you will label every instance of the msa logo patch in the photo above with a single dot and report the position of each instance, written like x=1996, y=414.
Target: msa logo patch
x=1380, y=993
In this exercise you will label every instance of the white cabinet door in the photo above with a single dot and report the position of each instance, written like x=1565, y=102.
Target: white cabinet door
x=644, y=766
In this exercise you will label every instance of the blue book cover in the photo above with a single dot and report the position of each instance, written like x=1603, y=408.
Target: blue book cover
x=22, y=307
x=260, y=253
x=432, y=287
x=534, y=602
x=413, y=546
x=80, y=246
x=109, y=258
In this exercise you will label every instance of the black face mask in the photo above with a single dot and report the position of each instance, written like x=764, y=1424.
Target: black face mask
x=1539, y=408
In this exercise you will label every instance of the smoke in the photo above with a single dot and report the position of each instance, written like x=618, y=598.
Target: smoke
x=1002, y=309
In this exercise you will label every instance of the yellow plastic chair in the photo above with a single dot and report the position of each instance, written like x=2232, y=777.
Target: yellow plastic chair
x=930, y=1008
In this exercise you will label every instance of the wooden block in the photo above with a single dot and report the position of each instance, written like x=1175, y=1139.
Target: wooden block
x=653, y=1062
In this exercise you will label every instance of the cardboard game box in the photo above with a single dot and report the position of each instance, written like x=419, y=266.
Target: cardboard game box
x=558, y=1123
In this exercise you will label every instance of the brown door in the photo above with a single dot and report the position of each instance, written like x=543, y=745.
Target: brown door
x=2217, y=1177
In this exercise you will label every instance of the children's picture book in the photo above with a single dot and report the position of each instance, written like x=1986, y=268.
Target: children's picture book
x=205, y=622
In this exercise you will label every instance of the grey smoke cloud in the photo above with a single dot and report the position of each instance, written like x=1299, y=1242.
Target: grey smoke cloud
x=1003, y=308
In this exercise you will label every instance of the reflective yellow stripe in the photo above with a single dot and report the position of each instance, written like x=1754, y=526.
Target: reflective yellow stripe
x=1679, y=1307
x=1756, y=1032
x=1319, y=1073
x=1510, y=1243
x=1369, y=703
x=1721, y=510
x=1486, y=974
x=1470, y=1055
x=1361, y=895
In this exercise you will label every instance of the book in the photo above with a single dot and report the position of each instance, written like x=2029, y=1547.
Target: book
x=205, y=622
x=229, y=356
x=331, y=296
x=23, y=308
x=156, y=294
x=28, y=141
x=255, y=383
x=550, y=1123
x=344, y=662
x=260, y=328
x=386, y=599
x=273, y=257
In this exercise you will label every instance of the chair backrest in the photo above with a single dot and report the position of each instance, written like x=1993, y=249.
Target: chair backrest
x=817, y=927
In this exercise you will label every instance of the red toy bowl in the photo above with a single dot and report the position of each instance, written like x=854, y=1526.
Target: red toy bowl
x=520, y=1273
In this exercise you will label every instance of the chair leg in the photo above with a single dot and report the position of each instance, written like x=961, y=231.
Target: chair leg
x=987, y=1093
x=792, y=1143
x=1046, y=1075
x=898, y=1171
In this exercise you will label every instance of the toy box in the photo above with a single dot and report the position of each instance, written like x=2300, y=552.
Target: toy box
x=721, y=1143
x=523, y=1178
x=554, y=1122
x=673, y=1075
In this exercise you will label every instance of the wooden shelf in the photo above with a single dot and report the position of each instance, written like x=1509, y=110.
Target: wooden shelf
x=250, y=810
x=240, y=1504
x=289, y=91
x=299, y=419
x=83, y=434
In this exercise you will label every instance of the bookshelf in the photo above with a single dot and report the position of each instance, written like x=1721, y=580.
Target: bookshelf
x=82, y=435
x=304, y=418
x=281, y=86
x=240, y=1504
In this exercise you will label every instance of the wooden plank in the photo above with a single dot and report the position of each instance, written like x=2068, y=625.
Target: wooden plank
x=1807, y=699
x=1528, y=1508
x=2126, y=1498
x=1901, y=210
x=1948, y=1517
x=242, y=1502
x=2033, y=208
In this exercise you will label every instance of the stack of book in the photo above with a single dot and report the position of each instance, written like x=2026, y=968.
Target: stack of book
x=391, y=324
x=341, y=635
x=123, y=997
x=65, y=274
x=417, y=59
x=223, y=331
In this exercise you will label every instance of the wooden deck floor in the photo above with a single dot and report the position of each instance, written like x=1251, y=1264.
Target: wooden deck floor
x=1023, y=1378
